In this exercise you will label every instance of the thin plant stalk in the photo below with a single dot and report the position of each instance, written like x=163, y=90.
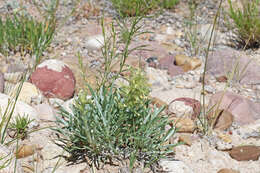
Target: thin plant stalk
x=205, y=122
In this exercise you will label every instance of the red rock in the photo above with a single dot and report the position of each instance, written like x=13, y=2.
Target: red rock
x=54, y=79
x=244, y=110
x=245, y=153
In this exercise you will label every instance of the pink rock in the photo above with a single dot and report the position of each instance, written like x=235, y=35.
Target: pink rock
x=167, y=63
x=1, y=82
x=54, y=79
x=222, y=62
x=244, y=110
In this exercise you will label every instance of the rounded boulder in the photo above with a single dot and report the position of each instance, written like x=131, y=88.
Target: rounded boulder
x=54, y=79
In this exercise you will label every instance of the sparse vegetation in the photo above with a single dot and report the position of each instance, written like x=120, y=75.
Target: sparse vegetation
x=245, y=23
x=25, y=35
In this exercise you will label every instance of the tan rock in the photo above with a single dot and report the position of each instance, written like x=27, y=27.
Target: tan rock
x=192, y=64
x=222, y=120
x=187, y=63
x=186, y=139
x=245, y=153
x=28, y=92
x=25, y=151
x=226, y=170
x=185, y=125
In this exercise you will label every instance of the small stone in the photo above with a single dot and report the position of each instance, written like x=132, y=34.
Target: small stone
x=186, y=139
x=45, y=112
x=222, y=121
x=191, y=107
x=222, y=79
x=175, y=166
x=245, y=153
x=223, y=146
x=180, y=109
x=226, y=170
x=25, y=151
x=185, y=125
x=210, y=89
x=95, y=42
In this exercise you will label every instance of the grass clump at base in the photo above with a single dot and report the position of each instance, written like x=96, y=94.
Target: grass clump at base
x=23, y=34
x=245, y=23
x=104, y=129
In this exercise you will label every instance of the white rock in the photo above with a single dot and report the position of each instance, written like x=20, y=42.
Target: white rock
x=95, y=42
x=27, y=93
x=180, y=109
x=56, y=102
x=21, y=109
x=52, y=64
x=175, y=166
x=68, y=105
x=45, y=112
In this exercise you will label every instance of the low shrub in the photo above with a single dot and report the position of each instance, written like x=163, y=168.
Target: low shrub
x=111, y=127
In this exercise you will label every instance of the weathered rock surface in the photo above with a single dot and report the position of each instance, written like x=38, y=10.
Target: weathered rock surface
x=54, y=79
x=244, y=110
x=245, y=153
x=222, y=62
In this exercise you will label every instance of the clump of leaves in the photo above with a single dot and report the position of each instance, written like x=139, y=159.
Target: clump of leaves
x=104, y=131
x=20, y=126
x=245, y=23
x=23, y=34
x=137, y=89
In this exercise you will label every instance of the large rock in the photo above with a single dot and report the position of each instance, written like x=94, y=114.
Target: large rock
x=1, y=82
x=244, y=110
x=55, y=79
x=21, y=109
x=222, y=62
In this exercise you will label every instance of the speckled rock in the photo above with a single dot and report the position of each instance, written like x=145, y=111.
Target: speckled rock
x=55, y=79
